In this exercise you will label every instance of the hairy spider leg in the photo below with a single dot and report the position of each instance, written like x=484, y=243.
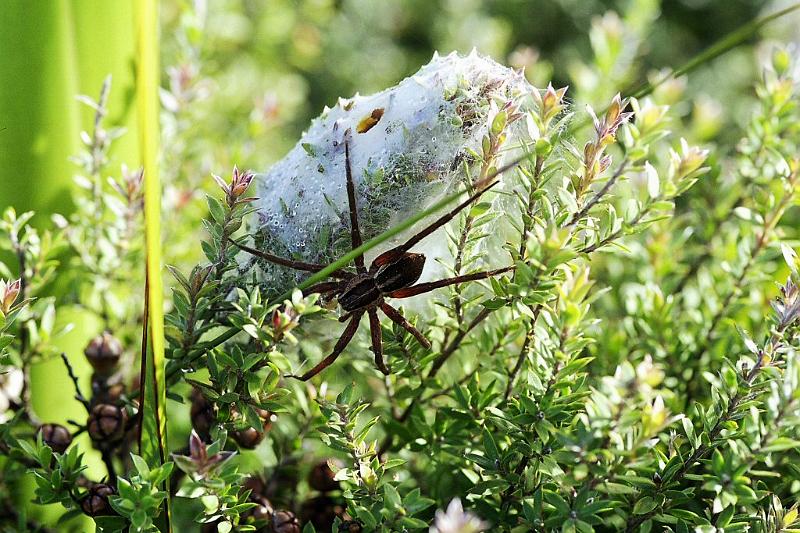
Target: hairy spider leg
x=422, y=288
x=398, y=318
x=394, y=253
x=377, y=340
x=355, y=232
x=291, y=263
x=323, y=287
x=341, y=344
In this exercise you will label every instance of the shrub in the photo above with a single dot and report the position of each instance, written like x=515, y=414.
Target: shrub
x=634, y=368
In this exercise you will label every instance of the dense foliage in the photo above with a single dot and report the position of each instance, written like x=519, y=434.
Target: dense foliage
x=636, y=371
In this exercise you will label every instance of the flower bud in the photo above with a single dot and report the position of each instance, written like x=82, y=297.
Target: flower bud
x=321, y=478
x=103, y=353
x=56, y=436
x=96, y=502
x=285, y=522
x=543, y=147
x=107, y=423
x=8, y=294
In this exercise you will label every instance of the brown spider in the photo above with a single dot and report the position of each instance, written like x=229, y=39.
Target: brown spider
x=393, y=274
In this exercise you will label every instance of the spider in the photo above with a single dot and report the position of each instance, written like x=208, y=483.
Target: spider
x=393, y=274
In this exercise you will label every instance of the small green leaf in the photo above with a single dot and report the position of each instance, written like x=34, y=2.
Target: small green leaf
x=644, y=505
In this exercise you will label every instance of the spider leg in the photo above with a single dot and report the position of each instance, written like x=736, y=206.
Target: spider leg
x=322, y=288
x=341, y=344
x=355, y=232
x=345, y=317
x=394, y=253
x=291, y=263
x=377, y=341
x=401, y=321
x=421, y=288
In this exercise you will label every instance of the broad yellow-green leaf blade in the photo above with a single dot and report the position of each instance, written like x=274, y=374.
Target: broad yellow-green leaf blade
x=152, y=441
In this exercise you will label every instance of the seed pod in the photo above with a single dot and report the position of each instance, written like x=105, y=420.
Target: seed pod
x=263, y=512
x=105, y=392
x=350, y=526
x=321, y=511
x=103, y=353
x=107, y=423
x=321, y=478
x=96, y=502
x=285, y=522
x=255, y=485
x=56, y=436
x=250, y=438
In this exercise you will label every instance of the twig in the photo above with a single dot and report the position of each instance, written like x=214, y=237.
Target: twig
x=109, y=462
x=78, y=394
x=600, y=194
x=523, y=354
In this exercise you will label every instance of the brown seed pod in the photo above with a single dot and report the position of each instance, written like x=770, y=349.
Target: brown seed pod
x=103, y=353
x=350, y=526
x=285, y=522
x=56, y=436
x=105, y=392
x=262, y=513
x=250, y=438
x=321, y=478
x=321, y=511
x=107, y=423
x=255, y=485
x=96, y=502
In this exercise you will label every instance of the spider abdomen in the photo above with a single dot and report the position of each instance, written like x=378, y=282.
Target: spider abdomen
x=360, y=292
x=400, y=273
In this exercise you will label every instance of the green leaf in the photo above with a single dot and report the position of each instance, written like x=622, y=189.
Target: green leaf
x=490, y=446
x=210, y=503
x=644, y=505
x=141, y=465
x=781, y=444
x=392, y=500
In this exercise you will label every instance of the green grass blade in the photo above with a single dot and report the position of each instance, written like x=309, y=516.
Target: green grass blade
x=720, y=47
x=153, y=434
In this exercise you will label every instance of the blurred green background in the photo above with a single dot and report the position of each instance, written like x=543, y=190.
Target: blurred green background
x=245, y=76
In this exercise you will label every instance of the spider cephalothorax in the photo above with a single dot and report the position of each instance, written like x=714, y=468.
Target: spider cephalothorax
x=393, y=274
